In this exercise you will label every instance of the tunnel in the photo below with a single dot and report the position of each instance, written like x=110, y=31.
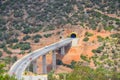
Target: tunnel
x=73, y=35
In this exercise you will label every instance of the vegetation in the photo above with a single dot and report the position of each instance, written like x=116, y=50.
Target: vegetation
x=82, y=72
x=107, y=55
x=100, y=39
x=22, y=46
x=3, y=75
x=88, y=34
x=47, y=35
x=36, y=40
x=1, y=54
x=109, y=28
x=86, y=39
x=26, y=37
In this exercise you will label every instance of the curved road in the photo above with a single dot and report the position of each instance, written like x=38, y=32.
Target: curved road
x=18, y=68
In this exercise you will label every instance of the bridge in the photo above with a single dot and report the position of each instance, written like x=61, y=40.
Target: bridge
x=19, y=66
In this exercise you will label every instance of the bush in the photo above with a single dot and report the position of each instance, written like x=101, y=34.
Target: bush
x=36, y=40
x=1, y=54
x=27, y=30
x=16, y=46
x=26, y=37
x=22, y=46
x=99, y=50
x=100, y=39
x=12, y=40
x=25, y=46
x=109, y=28
x=2, y=45
x=94, y=51
x=49, y=28
x=72, y=64
x=84, y=58
x=86, y=39
x=47, y=35
x=14, y=58
x=88, y=34
x=37, y=36
x=7, y=51
x=117, y=35
x=59, y=62
x=18, y=13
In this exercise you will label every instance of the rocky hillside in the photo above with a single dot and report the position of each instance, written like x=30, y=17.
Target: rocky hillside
x=25, y=23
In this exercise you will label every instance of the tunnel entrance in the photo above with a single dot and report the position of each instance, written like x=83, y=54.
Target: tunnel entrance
x=73, y=35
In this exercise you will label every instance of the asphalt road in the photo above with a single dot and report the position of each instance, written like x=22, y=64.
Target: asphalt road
x=19, y=66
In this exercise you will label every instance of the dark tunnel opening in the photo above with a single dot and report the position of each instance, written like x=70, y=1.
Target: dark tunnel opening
x=73, y=35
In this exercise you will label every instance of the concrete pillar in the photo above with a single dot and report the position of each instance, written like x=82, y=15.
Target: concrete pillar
x=28, y=68
x=62, y=50
x=54, y=60
x=44, y=65
x=34, y=63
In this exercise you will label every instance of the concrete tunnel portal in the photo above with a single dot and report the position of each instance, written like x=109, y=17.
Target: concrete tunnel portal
x=73, y=35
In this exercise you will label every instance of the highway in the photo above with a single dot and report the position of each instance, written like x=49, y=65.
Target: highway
x=19, y=66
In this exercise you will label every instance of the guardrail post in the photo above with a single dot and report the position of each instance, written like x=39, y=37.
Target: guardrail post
x=62, y=50
x=54, y=60
x=44, y=66
x=34, y=63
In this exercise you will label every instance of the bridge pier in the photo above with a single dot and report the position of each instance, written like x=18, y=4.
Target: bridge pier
x=62, y=50
x=54, y=60
x=44, y=65
x=34, y=63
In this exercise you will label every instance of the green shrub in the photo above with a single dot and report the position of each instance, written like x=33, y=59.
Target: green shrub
x=18, y=13
x=117, y=35
x=22, y=46
x=2, y=45
x=100, y=39
x=27, y=30
x=84, y=58
x=88, y=34
x=49, y=28
x=14, y=40
x=16, y=46
x=86, y=39
x=104, y=56
x=109, y=28
x=47, y=35
x=25, y=46
x=37, y=36
x=59, y=62
x=14, y=58
x=99, y=49
x=26, y=37
x=94, y=51
x=7, y=51
x=36, y=40
x=72, y=64
x=1, y=54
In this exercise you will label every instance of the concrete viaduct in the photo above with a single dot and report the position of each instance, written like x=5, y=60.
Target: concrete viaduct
x=19, y=66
